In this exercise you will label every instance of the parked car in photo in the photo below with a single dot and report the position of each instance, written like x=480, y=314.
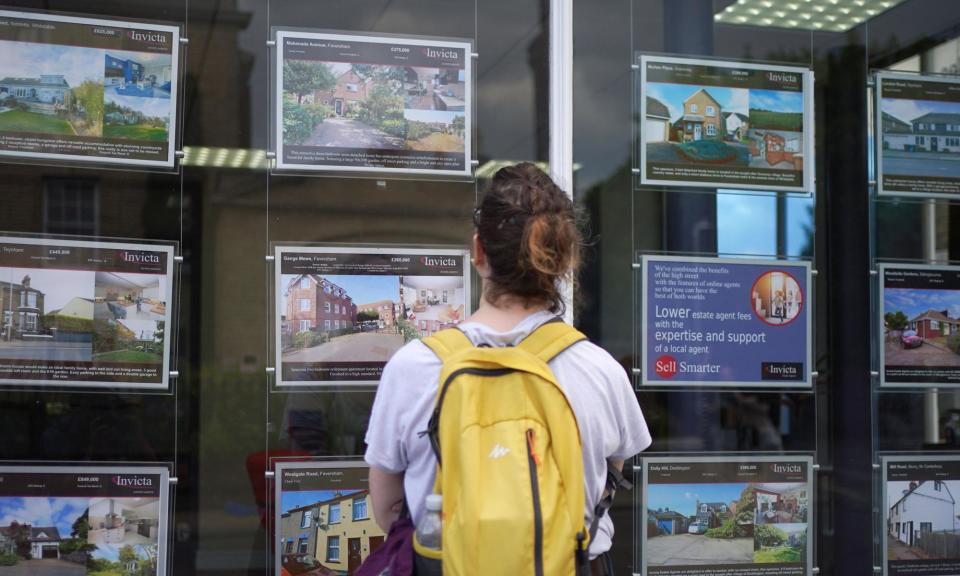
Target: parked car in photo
x=910, y=339
x=697, y=528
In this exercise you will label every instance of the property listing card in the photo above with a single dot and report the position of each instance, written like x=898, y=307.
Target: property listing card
x=84, y=313
x=342, y=312
x=347, y=102
x=921, y=529
x=725, y=124
x=727, y=516
x=918, y=135
x=919, y=325
x=90, y=520
x=725, y=322
x=89, y=90
x=323, y=518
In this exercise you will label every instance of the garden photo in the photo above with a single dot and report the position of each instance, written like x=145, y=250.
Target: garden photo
x=47, y=314
x=921, y=327
x=123, y=560
x=129, y=317
x=136, y=118
x=364, y=106
x=51, y=89
x=780, y=543
x=700, y=524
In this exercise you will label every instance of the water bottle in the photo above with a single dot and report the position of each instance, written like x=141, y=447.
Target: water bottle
x=428, y=530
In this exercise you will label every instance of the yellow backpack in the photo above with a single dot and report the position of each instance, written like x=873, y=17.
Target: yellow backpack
x=509, y=459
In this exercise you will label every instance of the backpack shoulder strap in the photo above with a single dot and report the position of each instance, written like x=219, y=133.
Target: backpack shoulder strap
x=446, y=343
x=550, y=339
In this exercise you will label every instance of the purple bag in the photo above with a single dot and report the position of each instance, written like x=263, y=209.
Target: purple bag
x=395, y=555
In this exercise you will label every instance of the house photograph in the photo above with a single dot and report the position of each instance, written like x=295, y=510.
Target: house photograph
x=43, y=536
x=699, y=524
x=340, y=318
x=371, y=106
x=47, y=314
x=118, y=521
x=777, y=298
x=686, y=124
x=921, y=327
x=775, y=130
x=129, y=317
x=327, y=531
x=920, y=137
x=51, y=89
x=432, y=303
x=922, y=521
x=123, y=560
x=782, y=503
x=781, y=543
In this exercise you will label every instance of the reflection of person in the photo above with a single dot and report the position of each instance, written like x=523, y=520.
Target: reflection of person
x=526, y=242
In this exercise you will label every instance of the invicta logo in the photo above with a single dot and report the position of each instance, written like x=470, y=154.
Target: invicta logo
x=156, y=37
x=787, y=468
x=438, y=262
x=132, y=481
x=498, y=452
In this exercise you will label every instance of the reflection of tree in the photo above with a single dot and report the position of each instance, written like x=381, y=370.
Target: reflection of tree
x=301, y=77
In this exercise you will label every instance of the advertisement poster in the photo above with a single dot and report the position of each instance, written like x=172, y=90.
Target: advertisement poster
x=79, y=313
x=342, y=312
x=919, y=325
x=920, y=515
x=88, y=90
x=729, y=516
x=373, y=104
x=726, y=125
x=83, y=521
x=918, y=128
x=725, y=322
x=323, y=518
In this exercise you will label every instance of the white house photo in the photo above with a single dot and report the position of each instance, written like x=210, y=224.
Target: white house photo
x=920, y=507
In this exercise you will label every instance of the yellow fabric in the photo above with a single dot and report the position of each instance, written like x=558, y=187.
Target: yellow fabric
x=484, y=474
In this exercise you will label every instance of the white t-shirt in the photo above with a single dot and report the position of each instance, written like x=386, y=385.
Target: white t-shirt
x=603, y=400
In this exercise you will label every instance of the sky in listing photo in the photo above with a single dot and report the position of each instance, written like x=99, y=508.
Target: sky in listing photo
x=673, y=96
x=776, y=101
x=60, y=513
x=111, y=552
x=896, y=489
x=291, y=500
x=362, y=289
x=683, y=498
x=58, y=287
x=150, y=107
x=914, y=302
x=29, y=60
x=909, y=110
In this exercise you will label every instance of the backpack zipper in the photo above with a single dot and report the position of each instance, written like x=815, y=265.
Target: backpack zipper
x=533, y=460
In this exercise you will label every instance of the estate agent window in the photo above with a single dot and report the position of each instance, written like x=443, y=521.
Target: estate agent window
x=333, y=549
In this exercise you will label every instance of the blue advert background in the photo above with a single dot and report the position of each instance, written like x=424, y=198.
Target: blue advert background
x=712, y=321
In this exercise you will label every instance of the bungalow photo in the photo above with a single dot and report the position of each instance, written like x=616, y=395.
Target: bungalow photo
x=687, y=124
x=47, y=314
x=922, y=520
x=129, y=312
x=341, y=318
x=920, y=137
x=700, y=524
x=777, y=298
x=327, y=531
x=44, y=535
x=51, y=89
x=921, y=327
x=366, y=106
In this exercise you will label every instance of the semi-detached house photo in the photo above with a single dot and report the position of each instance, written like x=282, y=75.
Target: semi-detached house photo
x=922, y=522
x=363, y=318
x=326, y=533
x=687, y=124
x=920, y=138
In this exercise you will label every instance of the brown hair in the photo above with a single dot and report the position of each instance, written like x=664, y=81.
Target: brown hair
x=528, y=229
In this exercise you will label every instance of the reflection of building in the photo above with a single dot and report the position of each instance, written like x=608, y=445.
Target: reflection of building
x=50, y=89
x=701, y=118
x=926, y=506
x=22, y=308
x=657, y=121
x=383, y=308
x=339, y=532
x=934, y=323
x=784, y=506
x=315, y=303
x=44, y=540
x=670, y=522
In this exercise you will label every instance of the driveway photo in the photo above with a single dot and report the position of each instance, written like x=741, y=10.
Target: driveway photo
x=690, y=549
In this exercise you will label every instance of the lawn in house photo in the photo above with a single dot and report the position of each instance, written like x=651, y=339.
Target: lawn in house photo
x=48, y=314
x=351, y=105
x=700, y=524
x=51, y=89
x=129, y=317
